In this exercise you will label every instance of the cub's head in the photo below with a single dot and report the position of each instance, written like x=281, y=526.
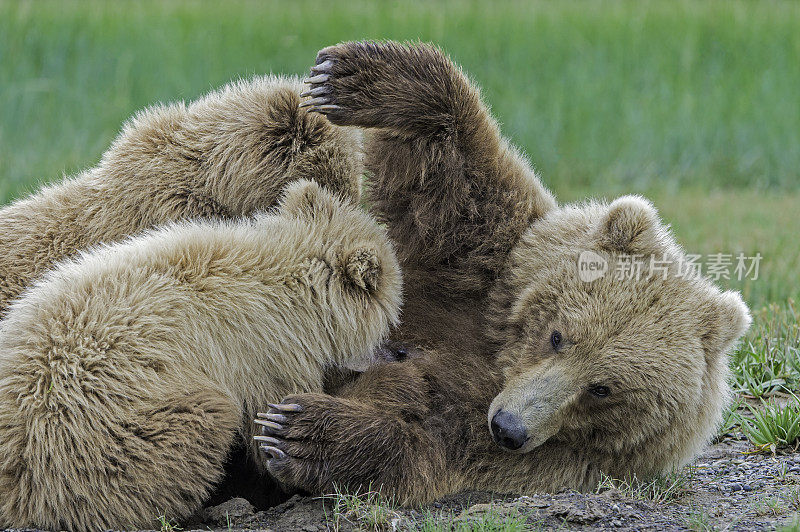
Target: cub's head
x=607, y=343
x=346, y=266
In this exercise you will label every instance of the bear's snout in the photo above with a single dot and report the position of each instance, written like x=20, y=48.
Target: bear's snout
x=508, y=430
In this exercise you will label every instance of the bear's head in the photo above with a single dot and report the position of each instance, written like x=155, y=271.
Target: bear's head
x=607, y=341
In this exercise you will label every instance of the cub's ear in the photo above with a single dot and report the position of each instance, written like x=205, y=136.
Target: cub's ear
x=363, y=268
x=725, y=318
x=307, y=200
x=630, y=226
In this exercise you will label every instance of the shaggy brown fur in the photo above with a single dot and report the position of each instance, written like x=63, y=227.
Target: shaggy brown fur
x=616, y=376
x=227, y=154
x=125, y=374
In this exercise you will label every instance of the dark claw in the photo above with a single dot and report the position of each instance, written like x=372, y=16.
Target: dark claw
x=284, y=408
x=319, y=78
x=267, y=439
x=269, y=424
x=322, y=67
x=316, y=91
x=274, y=452
x=315, y=101
x=324, y=108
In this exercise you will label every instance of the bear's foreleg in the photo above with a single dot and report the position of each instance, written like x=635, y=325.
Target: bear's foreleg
x=456, y=195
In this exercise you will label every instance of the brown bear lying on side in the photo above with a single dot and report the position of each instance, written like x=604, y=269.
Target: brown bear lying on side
x=128, y=374
x=571, y=378
x=226, y=155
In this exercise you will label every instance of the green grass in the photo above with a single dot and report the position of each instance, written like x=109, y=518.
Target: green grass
x=367, y=510
x=768, y=360
x=615, y=96
x=773, y=425
x=494, y=519
x=661, y=489
x=699, y=521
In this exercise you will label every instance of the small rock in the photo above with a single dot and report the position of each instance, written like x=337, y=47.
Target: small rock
x=228, y=511
x=585, y=515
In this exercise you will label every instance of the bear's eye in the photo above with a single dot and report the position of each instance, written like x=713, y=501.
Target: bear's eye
x=555, y=339
x=600, y=391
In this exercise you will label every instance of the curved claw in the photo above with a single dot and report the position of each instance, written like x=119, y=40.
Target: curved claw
x=319, y=78
x=277, y=418
x=322, y=67
x=316, y=91
x=315, y=101
x=274, y=452
x=324, y=108
x=267, y=439
x=269, y=424
x=283, y=407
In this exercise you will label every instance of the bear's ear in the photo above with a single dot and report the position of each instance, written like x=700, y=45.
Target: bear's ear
x=307, y=200
x=723, y=321
x=631, y=226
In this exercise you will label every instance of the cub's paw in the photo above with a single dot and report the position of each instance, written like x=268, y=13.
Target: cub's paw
x=294, y=442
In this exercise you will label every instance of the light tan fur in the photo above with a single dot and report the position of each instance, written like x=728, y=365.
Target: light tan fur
x=653, y=333
x=126, y=373
x=225, y=155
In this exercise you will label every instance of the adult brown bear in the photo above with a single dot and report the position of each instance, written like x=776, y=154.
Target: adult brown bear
x=625, y=376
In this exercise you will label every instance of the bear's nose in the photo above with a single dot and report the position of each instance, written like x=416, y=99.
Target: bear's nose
x=508, y=430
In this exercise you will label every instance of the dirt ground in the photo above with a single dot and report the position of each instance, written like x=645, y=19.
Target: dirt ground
x=728, y=488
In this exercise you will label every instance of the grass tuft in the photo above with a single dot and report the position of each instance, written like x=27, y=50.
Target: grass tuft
x=493, y=520
x=167, y=525
x=699, y=521
x=661, y=489
x=774, y=426
x=368, y=510
x=768, y=361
